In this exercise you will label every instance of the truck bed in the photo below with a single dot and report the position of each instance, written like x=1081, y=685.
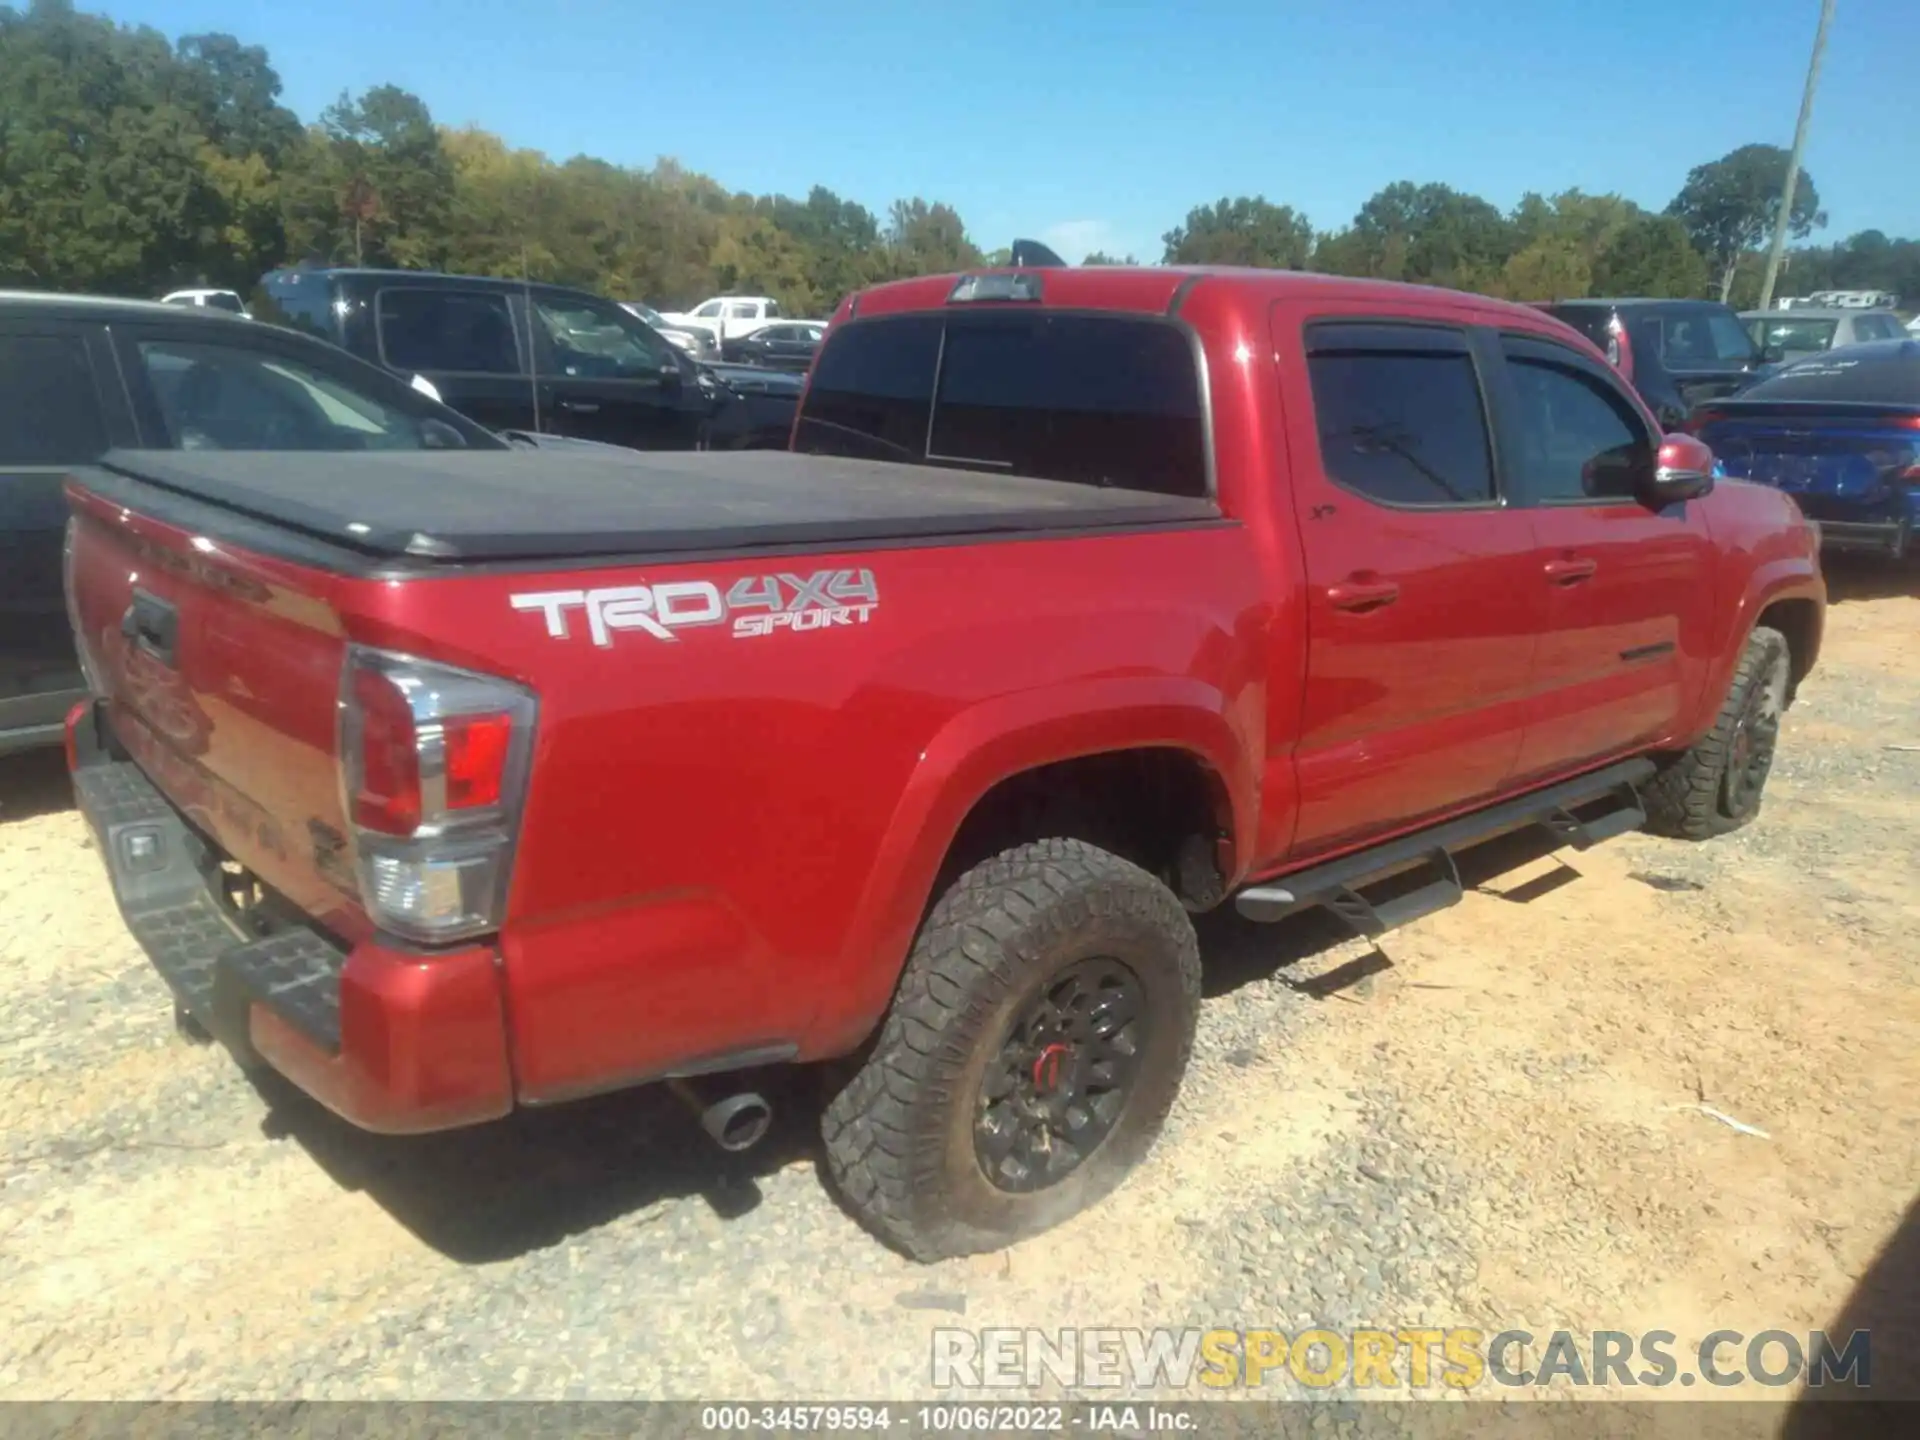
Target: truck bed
x=465, y=506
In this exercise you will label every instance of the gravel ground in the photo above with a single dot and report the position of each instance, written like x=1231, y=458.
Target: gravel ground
x=1499, y=1127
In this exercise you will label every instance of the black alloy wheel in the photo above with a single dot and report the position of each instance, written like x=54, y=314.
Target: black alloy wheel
x=1062, y=1078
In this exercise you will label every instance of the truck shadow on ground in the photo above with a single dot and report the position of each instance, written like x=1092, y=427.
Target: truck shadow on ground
x=1864, y=577
x=527, y=1182
x=1885, y=1303
x=34, y=783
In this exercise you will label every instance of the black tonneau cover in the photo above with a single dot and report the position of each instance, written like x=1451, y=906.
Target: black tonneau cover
x=476, y=505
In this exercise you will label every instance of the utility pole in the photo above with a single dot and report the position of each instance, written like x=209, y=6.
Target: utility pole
x=1793, y=160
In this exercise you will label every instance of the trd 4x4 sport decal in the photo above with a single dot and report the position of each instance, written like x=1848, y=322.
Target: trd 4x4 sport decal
x=756, y=605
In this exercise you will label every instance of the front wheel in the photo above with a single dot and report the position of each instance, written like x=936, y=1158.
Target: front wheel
x=1716, y=787
x=1035, y=1046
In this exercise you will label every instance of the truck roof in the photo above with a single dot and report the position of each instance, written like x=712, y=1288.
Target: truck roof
x=450, y=506
x=1163, y=289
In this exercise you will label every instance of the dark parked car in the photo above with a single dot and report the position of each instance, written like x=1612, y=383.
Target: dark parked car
x=80, y=375
x=1838, y=432
x=537, y=358
x=1676, y=353
x=783, y=345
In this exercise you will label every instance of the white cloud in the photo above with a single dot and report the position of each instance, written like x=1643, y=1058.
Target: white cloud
x=1076, y=239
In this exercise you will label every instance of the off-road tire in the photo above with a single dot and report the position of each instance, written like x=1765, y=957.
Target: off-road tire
x=900, y=1137
x=1693, y=797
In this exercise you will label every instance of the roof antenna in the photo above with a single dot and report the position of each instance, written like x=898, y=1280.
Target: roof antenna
x=533, y=349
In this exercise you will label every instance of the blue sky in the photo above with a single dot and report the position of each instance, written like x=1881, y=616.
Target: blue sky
x=1099, y=126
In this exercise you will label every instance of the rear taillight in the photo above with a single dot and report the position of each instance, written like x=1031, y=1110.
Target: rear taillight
x=89, y=671
x=1619, y=348
x=434, y=764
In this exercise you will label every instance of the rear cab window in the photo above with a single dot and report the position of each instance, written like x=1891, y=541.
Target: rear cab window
x=302, y=302
x=1094, y=399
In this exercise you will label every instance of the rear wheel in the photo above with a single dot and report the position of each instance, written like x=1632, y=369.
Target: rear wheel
x=1716, y=787
x=1038, y=1038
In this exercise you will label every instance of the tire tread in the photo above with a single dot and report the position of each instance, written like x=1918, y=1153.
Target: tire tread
x=967, y=954
x=1682, y=801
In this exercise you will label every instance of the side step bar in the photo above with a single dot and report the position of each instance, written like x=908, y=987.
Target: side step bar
x=1416, y=874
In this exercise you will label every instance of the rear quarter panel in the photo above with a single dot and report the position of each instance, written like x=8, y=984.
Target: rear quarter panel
x=730, y=840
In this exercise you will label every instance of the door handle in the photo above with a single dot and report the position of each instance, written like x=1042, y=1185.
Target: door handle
x=1569, y=571
x=580, y=407
x=1356, y=593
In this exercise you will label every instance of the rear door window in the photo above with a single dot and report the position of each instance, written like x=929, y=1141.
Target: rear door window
x=450, y=331
x=1400, y=416
x=1100, y=400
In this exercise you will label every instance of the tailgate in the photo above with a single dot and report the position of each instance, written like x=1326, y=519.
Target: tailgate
x=221, y=671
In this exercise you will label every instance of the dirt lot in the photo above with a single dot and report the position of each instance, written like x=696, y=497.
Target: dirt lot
x=1500, y=1128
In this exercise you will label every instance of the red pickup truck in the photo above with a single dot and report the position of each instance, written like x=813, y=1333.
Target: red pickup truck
x=1087, y=599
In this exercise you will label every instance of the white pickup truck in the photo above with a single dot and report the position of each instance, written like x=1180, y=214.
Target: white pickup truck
x=727, y=317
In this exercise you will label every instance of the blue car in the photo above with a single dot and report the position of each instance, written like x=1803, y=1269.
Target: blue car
x=1840, y=433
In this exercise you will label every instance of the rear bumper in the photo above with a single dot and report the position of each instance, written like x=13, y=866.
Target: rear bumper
x=391, y=1040
x=1880, y=537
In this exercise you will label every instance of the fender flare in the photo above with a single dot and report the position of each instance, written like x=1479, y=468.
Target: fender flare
x=977, y=750
x=1785, y=577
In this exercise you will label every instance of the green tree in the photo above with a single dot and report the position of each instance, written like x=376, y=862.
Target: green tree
x=373, y=184
x=1100, y=257
x=1651, y=256
x=1729, y=206
x=102, y=180
x=1243, y=231
x=1428, y=234
x=1551, y=268
x=927, y=239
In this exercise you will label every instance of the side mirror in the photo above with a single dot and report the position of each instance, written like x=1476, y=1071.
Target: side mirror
x=1682, y=470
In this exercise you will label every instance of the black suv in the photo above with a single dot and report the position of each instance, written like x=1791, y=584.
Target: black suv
x=1676, y=353
x=536, y=358
x=80, y=375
